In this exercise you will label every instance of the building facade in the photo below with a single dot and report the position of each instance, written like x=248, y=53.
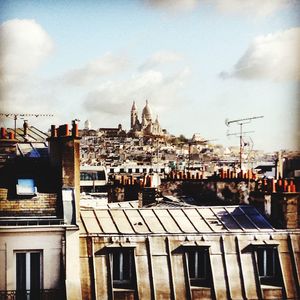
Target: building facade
x=186, y=253
x=39, y=242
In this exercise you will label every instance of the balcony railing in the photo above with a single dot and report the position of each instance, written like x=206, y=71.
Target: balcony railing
x=52, y=294
x=5, y=221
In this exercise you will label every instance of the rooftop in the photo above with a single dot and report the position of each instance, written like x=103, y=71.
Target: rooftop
x=33, y=134
x=192, y=220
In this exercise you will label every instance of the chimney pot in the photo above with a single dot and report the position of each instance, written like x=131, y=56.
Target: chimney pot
x=74, y=129
x=11, y=135
x=25, y=127
x=66, y=130
x=63, y=130
x=53, y=131
x=3, y=133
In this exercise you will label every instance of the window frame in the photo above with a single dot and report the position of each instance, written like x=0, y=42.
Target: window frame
x=123, y=281
x=264, y=269
x=28, y=273
x=202, y=274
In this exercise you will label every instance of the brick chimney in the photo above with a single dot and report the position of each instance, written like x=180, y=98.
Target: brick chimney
x=64, y=152
x=8, y=142
x=7, y=137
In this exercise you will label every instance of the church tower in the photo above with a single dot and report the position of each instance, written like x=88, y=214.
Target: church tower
x=134, y=116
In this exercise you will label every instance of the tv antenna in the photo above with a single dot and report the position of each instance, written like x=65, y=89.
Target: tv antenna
x=241, y=122
x=17, y=116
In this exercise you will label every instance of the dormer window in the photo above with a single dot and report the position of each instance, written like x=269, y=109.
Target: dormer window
x=198, y=265
x=122, y=268
x=268, y=264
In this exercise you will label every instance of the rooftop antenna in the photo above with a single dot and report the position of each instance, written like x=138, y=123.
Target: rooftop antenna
x=16, y=116
x=241, y=122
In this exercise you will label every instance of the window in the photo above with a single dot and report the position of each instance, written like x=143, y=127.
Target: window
x=26, y=187
x=122, y=268
x=86, y=176
x=100, y=175
x=198, y=266
x=268, y=265
x=28, y=274
x=92, y=175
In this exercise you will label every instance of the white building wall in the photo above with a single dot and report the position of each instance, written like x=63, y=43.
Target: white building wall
x=73, y=285
x=47, y=241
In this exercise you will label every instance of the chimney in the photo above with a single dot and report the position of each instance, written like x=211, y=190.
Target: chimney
x=7, y=137
x=25, y=128
x=2, y=133
x=64, y=152
x=148, y=196
x=285, y=210
x=11, y=135
x=151, y=189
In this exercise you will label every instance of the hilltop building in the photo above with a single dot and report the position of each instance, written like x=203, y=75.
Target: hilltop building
x=145, y=126
x=87, y=125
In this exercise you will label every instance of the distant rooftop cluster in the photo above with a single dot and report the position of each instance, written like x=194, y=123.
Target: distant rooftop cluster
x=59, y=242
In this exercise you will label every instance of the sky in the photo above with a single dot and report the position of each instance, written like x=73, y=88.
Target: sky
x=197, y=62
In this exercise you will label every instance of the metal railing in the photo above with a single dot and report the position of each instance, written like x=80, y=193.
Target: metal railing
x=30, y=222
x=51, y=294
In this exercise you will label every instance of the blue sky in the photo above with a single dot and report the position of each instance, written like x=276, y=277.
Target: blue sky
x=198, y=62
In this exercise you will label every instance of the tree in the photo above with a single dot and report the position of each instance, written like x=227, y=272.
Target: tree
x=182, y=139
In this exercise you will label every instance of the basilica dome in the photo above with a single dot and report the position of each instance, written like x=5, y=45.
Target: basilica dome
x=147, y=113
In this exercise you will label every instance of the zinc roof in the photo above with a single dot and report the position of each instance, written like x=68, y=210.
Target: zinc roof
x=186, y=220
x=33, y=134
x=32, y=149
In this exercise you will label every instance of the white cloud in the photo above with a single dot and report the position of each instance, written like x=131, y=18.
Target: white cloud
x=174, y=5
x=160, y=58
x=274, y=56
x=259, y=8
x=252, y=7
x=24, y=46
x=108, y=64
x=115, y=98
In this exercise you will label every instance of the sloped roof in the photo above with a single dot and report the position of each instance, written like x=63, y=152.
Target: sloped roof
x=37, y=149
x=192, y=220
x=33, y=134
x=94, y=202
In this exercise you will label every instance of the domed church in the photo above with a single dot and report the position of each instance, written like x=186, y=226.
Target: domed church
x=146, y=126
